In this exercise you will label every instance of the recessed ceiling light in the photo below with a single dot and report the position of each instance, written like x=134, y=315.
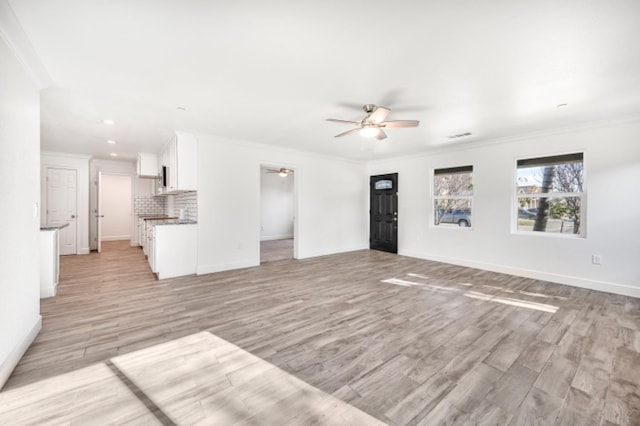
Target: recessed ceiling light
x=109, y=122
x=113, y=154
x=459, y=135
x=112, y=142
x=561, y=105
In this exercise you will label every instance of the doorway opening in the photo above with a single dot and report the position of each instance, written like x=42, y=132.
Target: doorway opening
x=114, y=213
x=277, y=213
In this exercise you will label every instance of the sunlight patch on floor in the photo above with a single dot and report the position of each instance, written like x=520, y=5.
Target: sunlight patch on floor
x=198, y=379
x=405, y=283
x=476, y=294
x=513, y=302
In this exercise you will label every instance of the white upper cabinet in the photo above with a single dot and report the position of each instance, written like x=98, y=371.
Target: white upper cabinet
x=147, y=165
x=180, y=157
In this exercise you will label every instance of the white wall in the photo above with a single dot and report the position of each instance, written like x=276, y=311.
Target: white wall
x=116, y=207
x=19, y=217
x=143, y=187
x=612, y=164
x=276, y=205
x=80, y=163
x=329, y=211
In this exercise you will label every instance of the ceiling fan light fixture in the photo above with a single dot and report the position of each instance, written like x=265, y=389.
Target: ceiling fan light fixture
x=283, y=172
x=374, y=124
x=369, y=132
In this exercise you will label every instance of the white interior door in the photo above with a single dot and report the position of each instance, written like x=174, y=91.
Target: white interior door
x=99, y=214
x=62, y=206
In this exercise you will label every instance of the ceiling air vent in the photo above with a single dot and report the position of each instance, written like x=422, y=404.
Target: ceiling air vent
x=459, y=135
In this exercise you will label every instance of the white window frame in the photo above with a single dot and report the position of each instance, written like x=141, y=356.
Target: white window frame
x=435, y=198
x=582, y=195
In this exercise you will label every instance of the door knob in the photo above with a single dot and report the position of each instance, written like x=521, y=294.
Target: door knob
x=73, y=216
x=395, y=219
x=99, y=215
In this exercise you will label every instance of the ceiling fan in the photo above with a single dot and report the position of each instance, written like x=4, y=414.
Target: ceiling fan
x=282, y=172
x=373, y=124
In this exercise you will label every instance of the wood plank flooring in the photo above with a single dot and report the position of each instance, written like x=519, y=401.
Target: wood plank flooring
x=276, y=250
x=402, y=340
x=198, y=379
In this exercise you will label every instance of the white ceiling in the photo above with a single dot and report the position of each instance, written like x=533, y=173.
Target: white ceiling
x=272, y=71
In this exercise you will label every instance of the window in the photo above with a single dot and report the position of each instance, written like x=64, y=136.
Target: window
x=452, y=196
x=384, y=184
x=550, y=194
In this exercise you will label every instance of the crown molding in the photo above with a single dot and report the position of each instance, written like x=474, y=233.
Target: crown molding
x=481, y=143
x=14, y=36
x=66, y=155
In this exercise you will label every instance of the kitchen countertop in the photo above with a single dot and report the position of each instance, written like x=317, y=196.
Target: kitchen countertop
x=176, y=222
x=53, y=227
x=156, y=217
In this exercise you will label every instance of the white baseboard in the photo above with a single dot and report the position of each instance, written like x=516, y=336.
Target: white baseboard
x=220, y=267
x=607, y=287
x=116, y=238
x=48, y=292
x=276, y=237
x=318, y=253
x=84, y=250
x=7, y=366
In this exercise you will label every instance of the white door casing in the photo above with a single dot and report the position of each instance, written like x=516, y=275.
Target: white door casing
x=99, y=214
x=62, y=206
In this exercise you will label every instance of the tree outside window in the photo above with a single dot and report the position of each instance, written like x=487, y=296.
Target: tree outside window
x=453, y=196
x=550, y=194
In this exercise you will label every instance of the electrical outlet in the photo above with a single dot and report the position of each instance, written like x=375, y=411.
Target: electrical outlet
x=596, y=259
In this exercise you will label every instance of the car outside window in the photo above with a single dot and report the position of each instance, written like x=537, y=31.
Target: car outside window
x=550, y=195
x=453, y=197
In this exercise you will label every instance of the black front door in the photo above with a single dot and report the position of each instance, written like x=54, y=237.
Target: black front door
x=383, y=213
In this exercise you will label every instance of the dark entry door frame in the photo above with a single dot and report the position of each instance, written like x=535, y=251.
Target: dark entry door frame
x=383, y=212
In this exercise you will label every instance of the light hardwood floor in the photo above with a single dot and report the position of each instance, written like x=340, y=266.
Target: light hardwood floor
x=402, y=340
x=273, y=250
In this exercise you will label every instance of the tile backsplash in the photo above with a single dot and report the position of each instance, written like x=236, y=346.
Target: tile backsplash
x=149, y=205
x=187, y=201
x=162, y=205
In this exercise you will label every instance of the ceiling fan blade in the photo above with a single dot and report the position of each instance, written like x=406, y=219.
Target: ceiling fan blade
x=379, y=114
x=399, y=123
x=335, y=120
x=282, y=170
x=381, y=135
x=348, y=132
